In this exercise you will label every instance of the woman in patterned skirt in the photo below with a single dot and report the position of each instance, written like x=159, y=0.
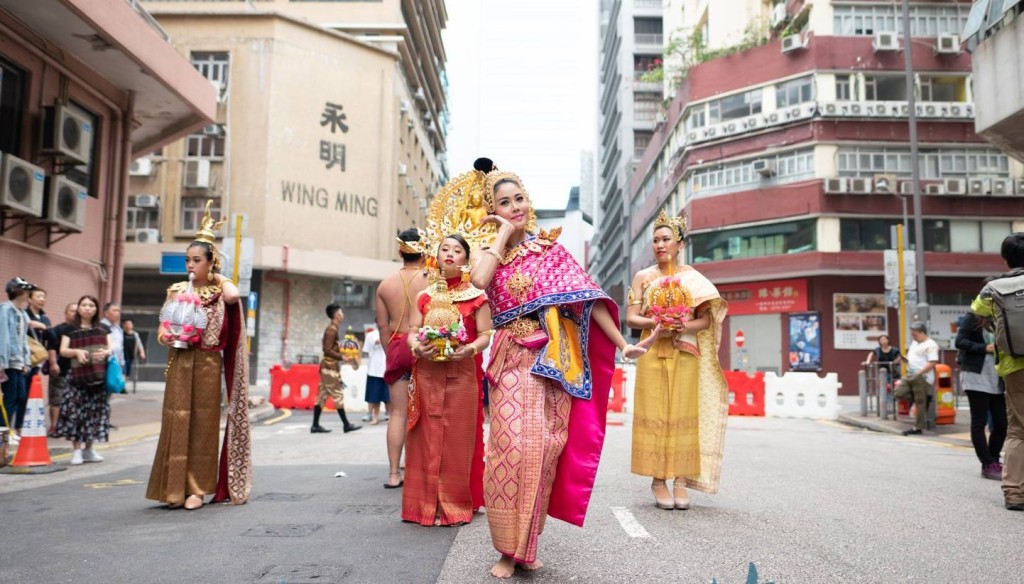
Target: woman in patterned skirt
x=85, y=409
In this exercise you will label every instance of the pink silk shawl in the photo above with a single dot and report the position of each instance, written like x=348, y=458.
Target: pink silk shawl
x=559, y=281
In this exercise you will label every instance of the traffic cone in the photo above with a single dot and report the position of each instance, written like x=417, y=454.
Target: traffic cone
x=33, y=455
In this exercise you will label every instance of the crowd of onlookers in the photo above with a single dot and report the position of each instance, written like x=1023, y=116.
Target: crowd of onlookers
x=77, y=357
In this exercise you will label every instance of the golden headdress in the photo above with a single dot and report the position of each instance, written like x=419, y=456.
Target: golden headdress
x=460, y=207
x=207, y=233
x=677, y=224
x=495, y=176
x=418, y=247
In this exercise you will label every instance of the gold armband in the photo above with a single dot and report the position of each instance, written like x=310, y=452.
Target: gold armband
x=631, y=299
x=488, y=332
x=491, y=251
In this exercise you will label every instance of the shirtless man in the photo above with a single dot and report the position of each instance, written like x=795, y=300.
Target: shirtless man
x=396, y=300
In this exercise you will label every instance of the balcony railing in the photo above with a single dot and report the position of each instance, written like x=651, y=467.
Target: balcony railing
x=136, y=6
x=648, y=39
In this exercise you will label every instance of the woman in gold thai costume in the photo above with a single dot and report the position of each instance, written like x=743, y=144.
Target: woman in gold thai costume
x=681, y=396
x=550, y=372
x=444, y=445
x=185, y=468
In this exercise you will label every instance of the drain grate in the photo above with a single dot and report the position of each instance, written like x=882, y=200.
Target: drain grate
x=283, y=497
x=366, y=509
x=302, y=574
x=285, y=530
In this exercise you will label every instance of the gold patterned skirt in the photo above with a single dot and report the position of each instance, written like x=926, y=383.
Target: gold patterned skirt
x=186, y=455
x=666, y=424
x=529, y=429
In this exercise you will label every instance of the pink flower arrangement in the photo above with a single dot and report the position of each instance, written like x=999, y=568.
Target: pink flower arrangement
x=445, y=338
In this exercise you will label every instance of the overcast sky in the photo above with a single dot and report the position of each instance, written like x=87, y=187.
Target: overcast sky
x=523, y=84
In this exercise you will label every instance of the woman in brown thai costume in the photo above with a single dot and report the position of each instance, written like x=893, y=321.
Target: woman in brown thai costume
x=186, y=468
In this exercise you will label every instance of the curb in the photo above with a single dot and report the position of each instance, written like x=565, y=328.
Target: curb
x=877, y=426
x=261, y=412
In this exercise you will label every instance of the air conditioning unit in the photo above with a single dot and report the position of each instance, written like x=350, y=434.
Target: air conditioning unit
x=860, y=186
x=21, y=186
x=419, y=95
x=402, y=169
x=856, y=109
x=197, y=174
x=67, y=134
x=147, y=201
x=979, y=186
x=906, y=187
x=141, y=167
x=947, y=44
x=408, y=182
x=404, y=106
x=219, y=89
x=793, y=113
x=835, y=186
x=1002, y=187
x=65, y=204
x=1020, y=187
x=147, y=236
x=710, y=132
x=212, y=130
x=729, y=128
x=779, y=15
x=885, y=41
x=928, y=110
x=692, y=137
x=885, y=184
x=792, y=43
x=935, y=189
x=957, y=110
x=764, y=167
x=904, y=110
x=752, y=123
x=880, y=110
x=955, y=186
x=830, y=109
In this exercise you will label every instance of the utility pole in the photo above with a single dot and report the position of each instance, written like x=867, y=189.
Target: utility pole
x=922, y=309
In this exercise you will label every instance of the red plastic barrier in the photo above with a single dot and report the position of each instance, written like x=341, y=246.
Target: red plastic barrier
x=617, y=400
x=287, y=386
x=746, y=394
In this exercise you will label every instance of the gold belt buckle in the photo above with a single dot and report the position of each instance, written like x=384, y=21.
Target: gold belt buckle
x=522, y=327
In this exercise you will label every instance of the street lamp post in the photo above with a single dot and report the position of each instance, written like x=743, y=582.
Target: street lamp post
x=922, y=309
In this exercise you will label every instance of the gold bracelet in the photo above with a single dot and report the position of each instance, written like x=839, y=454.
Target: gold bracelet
x=488, y=332
x=491, y=251
x=476, y=351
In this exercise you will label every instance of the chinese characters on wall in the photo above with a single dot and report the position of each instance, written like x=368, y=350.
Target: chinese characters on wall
x=332, y=153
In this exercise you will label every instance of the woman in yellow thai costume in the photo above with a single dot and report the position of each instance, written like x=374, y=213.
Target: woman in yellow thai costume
x=185, y=468
x=550, y=372
x=444, y=444
x=681, y=396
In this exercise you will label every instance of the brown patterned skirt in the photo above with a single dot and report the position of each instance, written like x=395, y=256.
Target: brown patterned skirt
x=186, y=456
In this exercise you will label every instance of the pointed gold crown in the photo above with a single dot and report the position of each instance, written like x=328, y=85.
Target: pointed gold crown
x=208, y=227
x=460, y=207
x=677, y=224
x=418, y=247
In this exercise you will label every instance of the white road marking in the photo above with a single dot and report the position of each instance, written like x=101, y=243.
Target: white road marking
x=629, y=523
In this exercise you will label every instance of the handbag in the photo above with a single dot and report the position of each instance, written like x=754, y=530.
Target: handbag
x=38, y=352
x=115, y=378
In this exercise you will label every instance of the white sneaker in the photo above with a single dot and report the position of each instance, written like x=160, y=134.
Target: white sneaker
x=90, y=455
x=15, y=439
x=76, y=457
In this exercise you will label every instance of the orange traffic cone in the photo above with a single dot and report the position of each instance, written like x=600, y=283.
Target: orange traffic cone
x=33, y=455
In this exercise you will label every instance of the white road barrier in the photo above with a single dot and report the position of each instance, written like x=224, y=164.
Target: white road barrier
x=802, y=395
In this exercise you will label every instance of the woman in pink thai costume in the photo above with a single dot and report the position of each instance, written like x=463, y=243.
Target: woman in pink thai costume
x=549, y=374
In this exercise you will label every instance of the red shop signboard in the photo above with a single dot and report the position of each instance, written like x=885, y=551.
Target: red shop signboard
x=769, y=297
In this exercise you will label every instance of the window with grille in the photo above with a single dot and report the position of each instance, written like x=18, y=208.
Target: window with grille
x=885, y=88
x=748, y=242
x=206, y=145
x=941, y=163
x=739, y=175
x=212, y=65
x=844, y=88
x=925, y=21
x=142, y=217
x=192, y=209
x=794, y=92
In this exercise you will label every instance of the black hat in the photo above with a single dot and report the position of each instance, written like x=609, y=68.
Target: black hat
x=18, y=283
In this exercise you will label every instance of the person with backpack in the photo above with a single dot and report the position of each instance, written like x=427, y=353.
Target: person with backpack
x=1002, y=300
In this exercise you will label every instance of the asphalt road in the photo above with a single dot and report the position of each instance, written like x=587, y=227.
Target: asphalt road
x=803, y=501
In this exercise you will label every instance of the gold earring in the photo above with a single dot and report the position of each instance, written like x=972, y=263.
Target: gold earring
x=465, y=273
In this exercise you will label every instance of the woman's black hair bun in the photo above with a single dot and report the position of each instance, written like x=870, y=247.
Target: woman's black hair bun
x=484, y=164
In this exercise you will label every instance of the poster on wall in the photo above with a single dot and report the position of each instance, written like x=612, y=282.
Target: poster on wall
x=859, y=319
x=805, y=341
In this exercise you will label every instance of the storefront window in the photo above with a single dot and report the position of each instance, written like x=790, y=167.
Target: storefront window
x=750, y=242
x=877, y=234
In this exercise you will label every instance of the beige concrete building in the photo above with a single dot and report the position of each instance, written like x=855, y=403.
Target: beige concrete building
x=329, y=139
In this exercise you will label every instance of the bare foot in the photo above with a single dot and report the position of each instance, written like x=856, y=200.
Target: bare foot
x=534, y=565
x=504, y=568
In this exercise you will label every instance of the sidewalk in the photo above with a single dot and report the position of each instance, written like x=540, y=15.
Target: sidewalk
x=137, y=417
x=957, y=434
